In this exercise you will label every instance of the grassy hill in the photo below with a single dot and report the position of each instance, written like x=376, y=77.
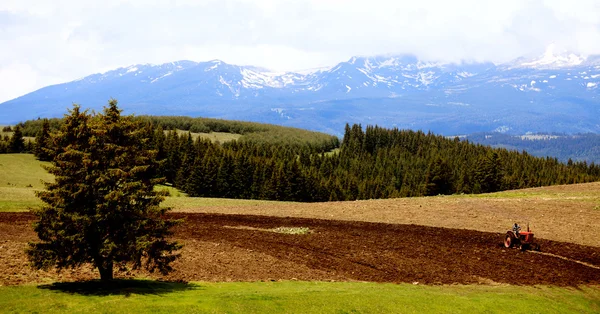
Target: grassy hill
x=21, y=175
x=564, y=213
x=222, y=131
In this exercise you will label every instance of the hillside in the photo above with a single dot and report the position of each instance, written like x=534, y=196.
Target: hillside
x=372, y=163
x=562, y=213
x=218, y=130
x=569, y=213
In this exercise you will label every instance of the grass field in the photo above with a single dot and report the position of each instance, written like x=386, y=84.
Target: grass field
x=10, y=134
x=20, y=176
x=22, y=170
x=565, y=213
x=295, y=297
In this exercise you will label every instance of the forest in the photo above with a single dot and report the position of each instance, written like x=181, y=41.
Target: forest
x=276, y=163
x=250, y=131
x=372, y=163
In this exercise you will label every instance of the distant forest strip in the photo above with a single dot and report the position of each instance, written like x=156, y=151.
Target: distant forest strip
x=371, y=164
x=250, y=131
x=577, y=147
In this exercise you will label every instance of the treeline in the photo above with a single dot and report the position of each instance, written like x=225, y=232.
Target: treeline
x=15, y=143
x=372, y=163
x=251, y=132
x=578, y=147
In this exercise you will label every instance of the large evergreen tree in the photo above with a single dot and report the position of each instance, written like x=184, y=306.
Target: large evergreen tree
x=102, y=208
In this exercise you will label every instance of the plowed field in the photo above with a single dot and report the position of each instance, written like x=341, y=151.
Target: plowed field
x=245, y=248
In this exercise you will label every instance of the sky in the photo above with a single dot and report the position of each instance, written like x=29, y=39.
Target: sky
x=50, y=42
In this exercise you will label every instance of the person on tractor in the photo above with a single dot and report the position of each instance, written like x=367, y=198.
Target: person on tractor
x=516, y=228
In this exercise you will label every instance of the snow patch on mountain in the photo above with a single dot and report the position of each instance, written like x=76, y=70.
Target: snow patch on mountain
x=551, y=60
x=160, y=77
x=233, y=90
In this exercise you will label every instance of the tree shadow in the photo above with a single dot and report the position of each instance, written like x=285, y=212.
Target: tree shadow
x=124, y=287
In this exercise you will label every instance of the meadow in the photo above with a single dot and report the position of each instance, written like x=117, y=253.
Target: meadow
x=294, y=297
x=563, y=213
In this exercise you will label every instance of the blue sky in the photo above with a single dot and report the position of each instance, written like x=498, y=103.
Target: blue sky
x=49, y=42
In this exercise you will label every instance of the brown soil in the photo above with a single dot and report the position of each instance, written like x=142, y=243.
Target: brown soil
x=565, y=213
x=333, y=250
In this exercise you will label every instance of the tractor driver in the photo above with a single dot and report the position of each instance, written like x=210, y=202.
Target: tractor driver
x=516, y=229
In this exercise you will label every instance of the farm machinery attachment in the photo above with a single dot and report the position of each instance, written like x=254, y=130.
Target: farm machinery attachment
x=522, y=239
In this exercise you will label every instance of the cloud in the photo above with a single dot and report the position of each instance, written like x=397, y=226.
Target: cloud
x=65, y=39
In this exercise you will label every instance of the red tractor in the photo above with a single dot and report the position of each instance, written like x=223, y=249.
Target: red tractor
x=521, y=239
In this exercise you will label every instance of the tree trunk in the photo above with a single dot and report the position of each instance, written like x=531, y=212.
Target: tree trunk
x=106, y=271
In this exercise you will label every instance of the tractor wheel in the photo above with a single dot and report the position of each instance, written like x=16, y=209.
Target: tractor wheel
x=524, y=246
x=508, y=241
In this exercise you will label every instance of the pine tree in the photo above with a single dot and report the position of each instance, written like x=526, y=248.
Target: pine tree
x=487, y=173
x=17, y=143
x=102, y=208
x=438, y=179
x=41, y=149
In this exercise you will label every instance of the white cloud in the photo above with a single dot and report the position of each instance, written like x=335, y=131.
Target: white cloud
x=67, y=39
x=21, y=78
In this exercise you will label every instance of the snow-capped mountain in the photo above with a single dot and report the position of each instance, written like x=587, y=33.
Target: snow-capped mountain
x=550, y=93
x=552, y=60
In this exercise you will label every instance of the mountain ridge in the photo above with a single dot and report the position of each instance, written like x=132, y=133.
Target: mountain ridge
x=525, y=95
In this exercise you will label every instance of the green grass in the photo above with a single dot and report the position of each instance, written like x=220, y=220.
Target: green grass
x=18, y=199
x=333, y=152
x=10, y=134
x=295, y=297
x=22, y=170
x=173, y=192
x=587, y=195
x=220, y=137
x=20, y=176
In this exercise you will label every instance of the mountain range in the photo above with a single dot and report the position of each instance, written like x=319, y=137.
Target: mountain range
x=550, y=93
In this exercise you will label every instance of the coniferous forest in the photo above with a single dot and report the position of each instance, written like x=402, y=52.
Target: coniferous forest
x=371, y=163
